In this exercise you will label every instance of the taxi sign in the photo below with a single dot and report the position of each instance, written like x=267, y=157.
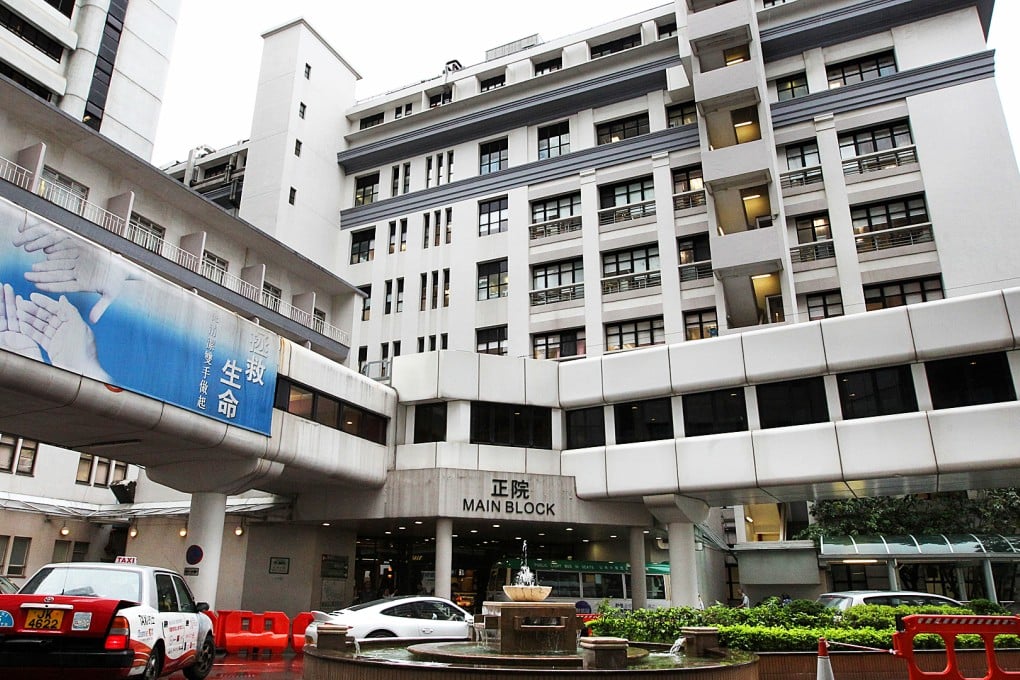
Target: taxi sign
x=126, y=559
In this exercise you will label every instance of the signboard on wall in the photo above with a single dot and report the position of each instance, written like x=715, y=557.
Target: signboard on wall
x=69, y=303
x=334, y=566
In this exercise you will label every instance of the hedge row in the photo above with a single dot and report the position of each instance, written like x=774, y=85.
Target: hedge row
x=774, y=627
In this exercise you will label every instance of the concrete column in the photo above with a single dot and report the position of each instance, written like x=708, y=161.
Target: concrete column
x=990, y=593
x=89, y=23
x=683, y=572
x=638, y=584
x=444, y=556
x=893, y=574
x=205, y=542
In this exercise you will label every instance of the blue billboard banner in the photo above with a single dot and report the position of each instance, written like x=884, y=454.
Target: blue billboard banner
x=69, y=303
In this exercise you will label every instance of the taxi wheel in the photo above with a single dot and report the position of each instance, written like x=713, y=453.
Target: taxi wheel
x=154, y=665
x=203, y=662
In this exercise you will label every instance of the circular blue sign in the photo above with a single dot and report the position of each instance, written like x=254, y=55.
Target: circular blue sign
x=194, y=554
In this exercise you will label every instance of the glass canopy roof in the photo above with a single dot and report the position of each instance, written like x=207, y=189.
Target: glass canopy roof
x=930, y=545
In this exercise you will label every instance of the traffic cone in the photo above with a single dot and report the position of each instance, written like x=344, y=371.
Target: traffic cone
x=824, y=667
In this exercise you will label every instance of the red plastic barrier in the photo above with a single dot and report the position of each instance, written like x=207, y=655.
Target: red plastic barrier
x=238, y=634
x=219, y=627
x=275, y=635
x=299, y=624
x=948, y=627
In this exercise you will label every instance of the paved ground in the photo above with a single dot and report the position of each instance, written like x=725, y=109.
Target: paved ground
x=287, y=667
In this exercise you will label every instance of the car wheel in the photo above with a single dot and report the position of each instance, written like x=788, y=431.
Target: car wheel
x=154, y=665
x=380, y=634
x=203, y=662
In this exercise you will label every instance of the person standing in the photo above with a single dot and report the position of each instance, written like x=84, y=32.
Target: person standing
x=745, y=601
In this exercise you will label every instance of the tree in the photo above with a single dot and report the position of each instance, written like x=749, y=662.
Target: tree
x=992, y=511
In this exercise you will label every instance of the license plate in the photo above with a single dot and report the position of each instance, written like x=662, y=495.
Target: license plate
x=44, y=619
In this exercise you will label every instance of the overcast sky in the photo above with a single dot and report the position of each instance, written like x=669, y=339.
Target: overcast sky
x=214, y=68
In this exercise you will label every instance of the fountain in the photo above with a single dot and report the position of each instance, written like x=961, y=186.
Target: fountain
x=525, y=633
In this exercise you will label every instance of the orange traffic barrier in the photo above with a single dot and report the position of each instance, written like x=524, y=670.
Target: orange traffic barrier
x=299, y=624
x=275, y=635
x=948, y=627
x=256, y=634
x=220, y=628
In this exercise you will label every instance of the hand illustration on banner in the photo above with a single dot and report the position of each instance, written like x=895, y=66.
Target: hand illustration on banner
x=11, y=337
x=59, y=329
x=68, y=268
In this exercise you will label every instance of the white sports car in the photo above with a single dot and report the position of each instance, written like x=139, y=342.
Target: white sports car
x=398, y=617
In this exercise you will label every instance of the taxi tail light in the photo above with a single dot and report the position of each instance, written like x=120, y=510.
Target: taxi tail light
x=119, y=635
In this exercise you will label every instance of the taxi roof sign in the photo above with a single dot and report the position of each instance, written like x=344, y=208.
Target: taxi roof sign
x=126, y=559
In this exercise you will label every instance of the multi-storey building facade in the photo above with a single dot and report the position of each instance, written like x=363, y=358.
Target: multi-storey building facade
x=690, y=270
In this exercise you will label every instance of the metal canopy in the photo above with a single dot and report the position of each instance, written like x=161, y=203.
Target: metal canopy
x=928, y=546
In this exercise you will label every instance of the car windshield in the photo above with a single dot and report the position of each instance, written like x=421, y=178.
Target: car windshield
x=86, y=582
x=835, y=601
x=370, y=603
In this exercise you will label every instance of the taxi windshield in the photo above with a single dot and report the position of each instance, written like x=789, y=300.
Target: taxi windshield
x=109, y=583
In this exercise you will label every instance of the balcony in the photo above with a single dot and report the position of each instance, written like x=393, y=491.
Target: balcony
x=695, y=271
x=881, y=160
x=894, y=238
x=555, y=227
x=549, y=296
x=625, y=213
x=801, y=178
x=58, y=195
x=628, y=282
x=689, y=199
x=812, y=252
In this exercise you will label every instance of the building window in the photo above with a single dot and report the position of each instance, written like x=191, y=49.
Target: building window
x=889, y=214
x=65, y=7
x=554, y=140
x=26, y=458
x=74, y=194
x=440, y=98
x=700, y=324
x=548, y=66
x=969, y=381
x=84, y=472
x=493, y=82
x=625, y=128
x=17, y=559
x=557, y=274
x=715, y=412
x=325, y=409
x=308, y=71
x=214, y=267
x=632, y=261
x=371, y=121
x=388, y=301
x=297, y=147
x=667, y=30
x=400, y=295
x=30, y=34
x=430, y=422
x=492, y=279
x=366, y=303
x=556, y=208
x=406, y=186
x=679, y=115
x=877, y=392
x=861, y=70
x=402, y=111
x=689, y=179
x=899, y=293
x=366, y=189
x=18, y=455
x=511, y=425
x=301, y=110
x=491, y=340
x=586, y=427
x=626, y=193
x=643, y=421
x=824, y=305
x=146, y=233
x=638, y=333
x=874, y=139
x=557, y=345
x=792, y=87
x=102, y=475
x=618, y=45
x=363, y=246
x=814, y=228
x=802, y=156
x=292, y=196
x=793, y=402
x=492, y=156
x=492, y=216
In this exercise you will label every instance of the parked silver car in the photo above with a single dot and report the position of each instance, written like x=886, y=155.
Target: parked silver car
x=891, y=598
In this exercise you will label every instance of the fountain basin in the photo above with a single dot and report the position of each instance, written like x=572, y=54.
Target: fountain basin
x=527, y=593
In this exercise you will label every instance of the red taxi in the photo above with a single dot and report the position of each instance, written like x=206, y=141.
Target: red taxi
x=82, y=620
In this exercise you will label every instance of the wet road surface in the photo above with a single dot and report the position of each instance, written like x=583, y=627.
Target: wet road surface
x=236, y=667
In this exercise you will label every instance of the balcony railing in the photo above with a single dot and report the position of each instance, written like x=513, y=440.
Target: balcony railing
x=688, y=199
x=696, y=270
x=812, y=252
x=625, y=282
x=555, y=227
x=623, y=213
x=894, y=238
x=801, y=178
x=880, y=160
x=548, y=296
x=15, y=174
